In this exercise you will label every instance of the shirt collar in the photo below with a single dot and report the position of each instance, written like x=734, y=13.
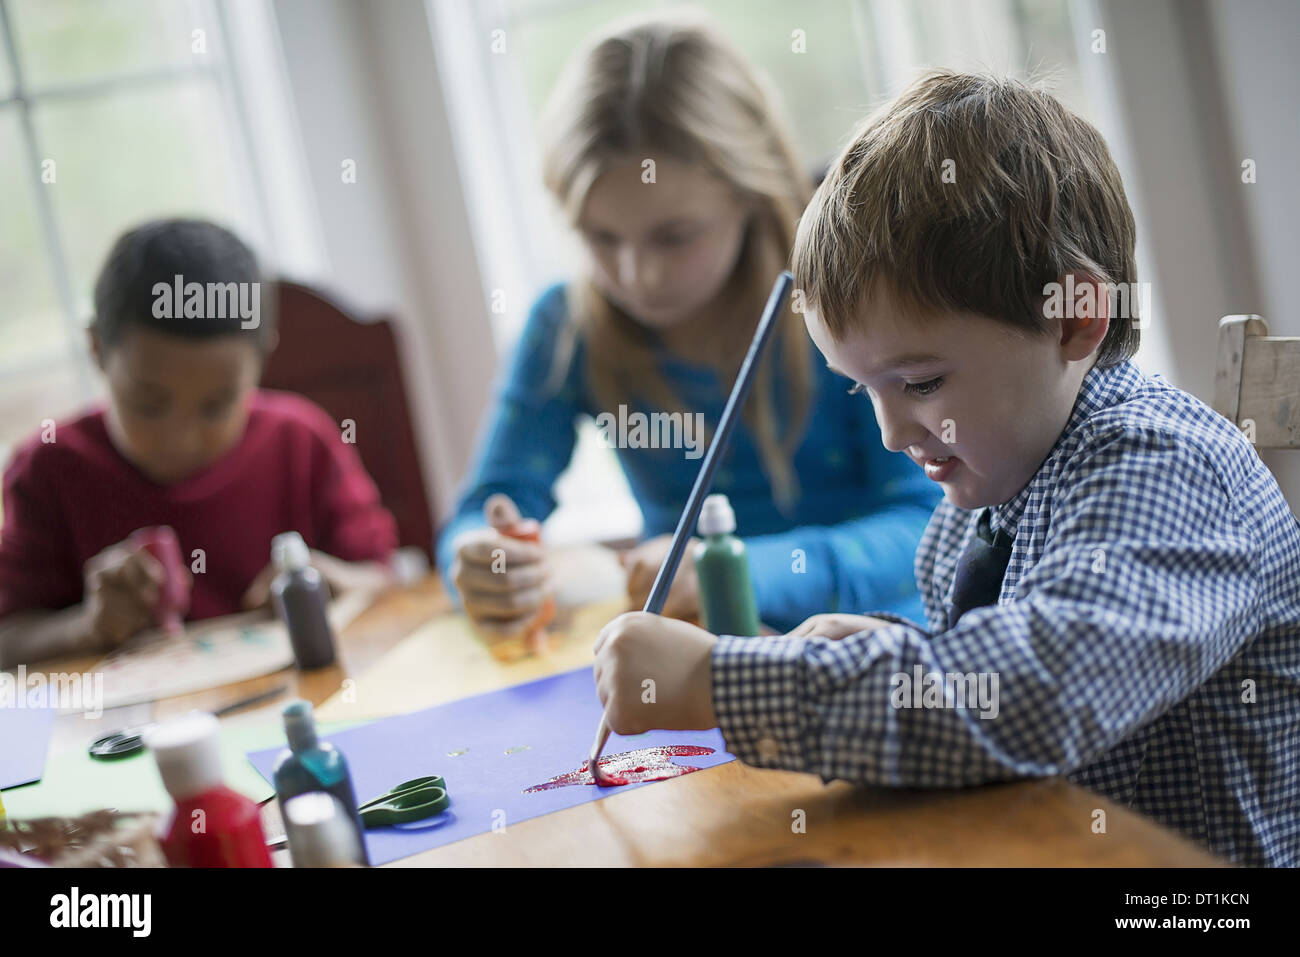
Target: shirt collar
x=1100, y=389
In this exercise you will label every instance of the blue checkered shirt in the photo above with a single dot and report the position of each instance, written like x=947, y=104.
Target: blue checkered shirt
x=1146, y=641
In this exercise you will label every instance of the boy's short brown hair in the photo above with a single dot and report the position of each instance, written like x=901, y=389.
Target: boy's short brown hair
x=968, y=193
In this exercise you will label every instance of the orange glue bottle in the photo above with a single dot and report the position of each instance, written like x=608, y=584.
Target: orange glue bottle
x=504, y=517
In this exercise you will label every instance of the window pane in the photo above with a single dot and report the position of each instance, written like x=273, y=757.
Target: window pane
x=133, y=155
x=545, y=40
x=34, y=395
x=823, y=89
x=31, y=324
x=1025, y=38
x=1050, y=48
x=6, y=71
x=64, y=40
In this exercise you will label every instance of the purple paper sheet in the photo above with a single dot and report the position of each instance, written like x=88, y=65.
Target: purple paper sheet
x=554, y=718
x=24, y=741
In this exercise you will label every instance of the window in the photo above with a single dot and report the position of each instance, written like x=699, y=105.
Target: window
x=110, y=114
x=831, y=62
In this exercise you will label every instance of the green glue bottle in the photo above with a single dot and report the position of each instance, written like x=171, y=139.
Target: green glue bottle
x=726, y=592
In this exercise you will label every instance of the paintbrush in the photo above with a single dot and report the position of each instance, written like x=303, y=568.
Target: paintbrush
x=703, y=482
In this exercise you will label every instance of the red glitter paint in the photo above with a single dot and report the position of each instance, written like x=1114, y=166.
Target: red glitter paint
x=630, y=767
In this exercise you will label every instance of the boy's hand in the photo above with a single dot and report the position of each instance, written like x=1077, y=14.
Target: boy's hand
x=341, y=577
x=122, y=585
x=837, y=626
x=503, y=582
x=642, y=566
x=654, y=672
x=344, y=576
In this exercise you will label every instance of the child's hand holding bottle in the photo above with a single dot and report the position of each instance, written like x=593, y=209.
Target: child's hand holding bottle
x=134, y=585
x=504, y=579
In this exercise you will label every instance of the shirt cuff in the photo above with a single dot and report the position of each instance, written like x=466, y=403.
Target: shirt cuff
x=756, y=699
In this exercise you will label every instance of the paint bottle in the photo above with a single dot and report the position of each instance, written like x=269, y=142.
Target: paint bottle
x=211, y=825
x=174, y=594
x=726, y=591
x=534, y=638
x=300, y=596
x=320, y=832
x=309, y=764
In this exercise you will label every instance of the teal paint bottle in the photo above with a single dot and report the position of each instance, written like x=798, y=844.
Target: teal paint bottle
x=310, y=764
x=726, y=590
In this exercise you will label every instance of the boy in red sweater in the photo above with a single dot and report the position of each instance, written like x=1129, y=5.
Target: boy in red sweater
x=186, y=440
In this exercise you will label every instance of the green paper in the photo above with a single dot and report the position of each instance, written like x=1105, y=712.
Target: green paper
x=75, y=783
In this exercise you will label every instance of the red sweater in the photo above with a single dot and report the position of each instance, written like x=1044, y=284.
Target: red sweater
x=68, y=500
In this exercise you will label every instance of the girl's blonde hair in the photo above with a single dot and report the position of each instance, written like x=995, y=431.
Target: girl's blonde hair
x=671, y=86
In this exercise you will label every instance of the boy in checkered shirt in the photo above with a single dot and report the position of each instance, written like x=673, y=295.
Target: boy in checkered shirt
x=1112, y=581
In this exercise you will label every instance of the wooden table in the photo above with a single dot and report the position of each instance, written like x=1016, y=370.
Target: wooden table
x=373, y=633
x=732, y=814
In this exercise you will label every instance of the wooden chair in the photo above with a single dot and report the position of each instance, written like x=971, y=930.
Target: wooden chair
x=353, y=370
x=1257, y=382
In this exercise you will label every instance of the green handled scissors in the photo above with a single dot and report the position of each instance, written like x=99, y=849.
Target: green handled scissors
x=409, y=801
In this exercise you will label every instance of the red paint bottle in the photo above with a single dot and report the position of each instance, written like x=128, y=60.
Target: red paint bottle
x=211, y=826
x=174, y=595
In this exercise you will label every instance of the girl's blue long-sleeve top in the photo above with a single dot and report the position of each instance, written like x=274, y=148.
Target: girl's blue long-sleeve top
x=847, y=544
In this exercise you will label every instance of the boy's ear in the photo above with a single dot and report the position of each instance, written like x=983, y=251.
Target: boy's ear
x=1086, y=317
x=95, y=345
